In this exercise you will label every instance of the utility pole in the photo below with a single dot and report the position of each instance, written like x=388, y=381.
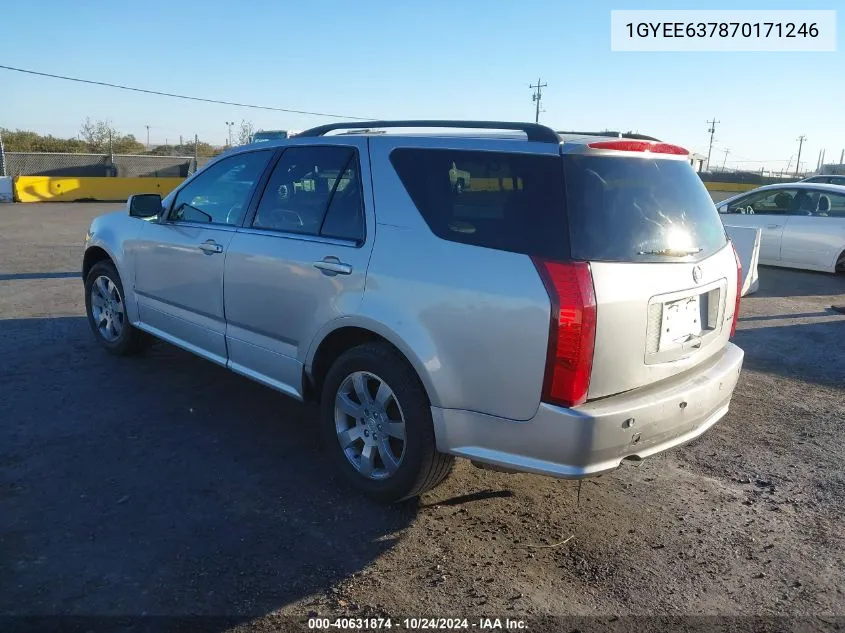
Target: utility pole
x=536, y=97
x=842, y=157
x=801, y=140
x=712, y=130
x=2, y=157
x=727, y=151
x=148, y=136
x=229, y=124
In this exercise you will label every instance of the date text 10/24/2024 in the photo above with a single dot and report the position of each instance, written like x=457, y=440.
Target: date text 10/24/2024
x=417, y=624
x=723, y=30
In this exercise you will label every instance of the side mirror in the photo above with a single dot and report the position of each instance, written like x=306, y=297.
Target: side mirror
x=144, y=205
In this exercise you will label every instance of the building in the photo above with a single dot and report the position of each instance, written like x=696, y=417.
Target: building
x=832, y=169
x=697, y=161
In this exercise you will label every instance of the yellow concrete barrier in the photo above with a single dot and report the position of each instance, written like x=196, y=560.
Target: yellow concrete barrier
x=730, y=186
x=69, y=189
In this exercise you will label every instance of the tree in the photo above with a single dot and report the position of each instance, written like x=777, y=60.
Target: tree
x=127, y=144
x=97, y=134
x=102, y=137
x=95, y=138
x=28, y=141
x=245, y=132
x=187, y=149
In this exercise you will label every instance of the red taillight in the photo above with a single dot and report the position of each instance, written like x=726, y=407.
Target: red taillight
x=738, y=290
x=639, y=146
x=572, y=335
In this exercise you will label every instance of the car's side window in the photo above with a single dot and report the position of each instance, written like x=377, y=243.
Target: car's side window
x=769, y=202
x=314, y=191
x=804, y=202
x=220, y=194
x=830, y=205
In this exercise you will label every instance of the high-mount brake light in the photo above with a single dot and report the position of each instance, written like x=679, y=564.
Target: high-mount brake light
x=640, y=146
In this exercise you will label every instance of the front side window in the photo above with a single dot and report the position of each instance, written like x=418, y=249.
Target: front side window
x=220, y=194
x=769, y=202
x=314, y=191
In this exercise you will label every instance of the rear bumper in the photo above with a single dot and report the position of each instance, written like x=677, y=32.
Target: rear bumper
x=594, y=438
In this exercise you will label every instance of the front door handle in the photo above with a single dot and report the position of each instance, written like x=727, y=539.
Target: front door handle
x=333, y=266
x=209, y=247
x=773, y=226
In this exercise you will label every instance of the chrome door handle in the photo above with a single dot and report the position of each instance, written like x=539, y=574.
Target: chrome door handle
x=773, y=226
x=209, y=247
x=333, y=266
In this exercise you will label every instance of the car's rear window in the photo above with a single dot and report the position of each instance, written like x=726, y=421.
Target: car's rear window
x=593, y=208
x=502, y=200
x=639, y=209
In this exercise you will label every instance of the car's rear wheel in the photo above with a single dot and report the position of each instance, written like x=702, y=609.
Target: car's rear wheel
x=106, y=308
x=376, y=423
x=840, y=264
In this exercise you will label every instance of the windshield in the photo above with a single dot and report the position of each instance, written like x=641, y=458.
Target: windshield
x=269, y=136
x=639, y=210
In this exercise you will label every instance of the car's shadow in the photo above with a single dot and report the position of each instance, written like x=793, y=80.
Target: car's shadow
x=792, y=351
x=789, y=282
x=163, y=485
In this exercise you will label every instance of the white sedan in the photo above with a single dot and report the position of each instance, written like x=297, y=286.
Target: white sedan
x=802, y=224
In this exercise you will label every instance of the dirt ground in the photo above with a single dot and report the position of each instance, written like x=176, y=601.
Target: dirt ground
x=168, y=486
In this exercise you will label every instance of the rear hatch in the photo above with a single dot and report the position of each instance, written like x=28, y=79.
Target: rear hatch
x=664, y=274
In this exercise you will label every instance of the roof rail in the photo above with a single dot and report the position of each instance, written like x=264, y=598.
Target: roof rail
x=631, y=135
x=533, y=131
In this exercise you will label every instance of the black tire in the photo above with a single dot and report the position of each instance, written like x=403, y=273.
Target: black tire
x=130, y=340
x=422, y=467
x=840, y=264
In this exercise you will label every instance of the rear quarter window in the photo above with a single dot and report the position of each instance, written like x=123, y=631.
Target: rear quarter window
x=626, y=209
x=500, y=200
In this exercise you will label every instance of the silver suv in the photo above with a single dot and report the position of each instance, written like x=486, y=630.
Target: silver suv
x=570, y=309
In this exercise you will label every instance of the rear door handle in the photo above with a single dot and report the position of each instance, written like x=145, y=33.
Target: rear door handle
x=773, y=226
x=209, y=247
x=333, y=266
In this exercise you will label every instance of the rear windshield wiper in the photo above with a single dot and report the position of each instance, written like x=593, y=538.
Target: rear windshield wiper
x=673, y=252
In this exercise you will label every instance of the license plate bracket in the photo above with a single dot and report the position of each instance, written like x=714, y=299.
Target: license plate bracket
x=681, y=322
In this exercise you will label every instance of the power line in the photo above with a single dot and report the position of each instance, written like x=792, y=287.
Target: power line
x=189, y=98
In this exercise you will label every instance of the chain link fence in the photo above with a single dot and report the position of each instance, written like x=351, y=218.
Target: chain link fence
x=161, y=162
x=101, y=165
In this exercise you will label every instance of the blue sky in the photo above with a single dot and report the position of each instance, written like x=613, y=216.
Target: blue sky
x=435, y=59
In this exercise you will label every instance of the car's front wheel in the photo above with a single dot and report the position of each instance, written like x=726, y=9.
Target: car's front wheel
x=106, y=307
x=376, y=423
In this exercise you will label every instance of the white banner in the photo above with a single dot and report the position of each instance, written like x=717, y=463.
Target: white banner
x=724, y=30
